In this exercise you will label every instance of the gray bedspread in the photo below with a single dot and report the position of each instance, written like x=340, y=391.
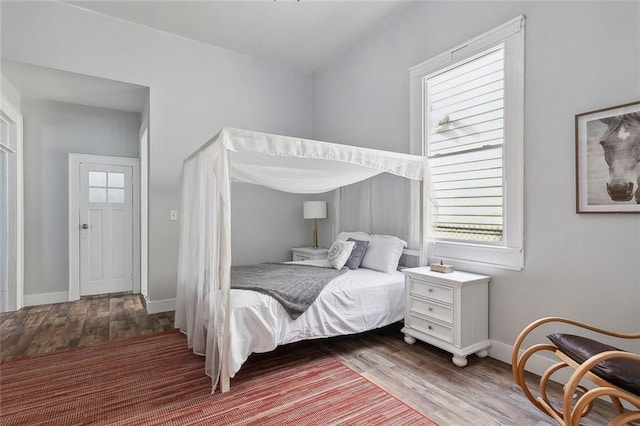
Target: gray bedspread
x=296, y=287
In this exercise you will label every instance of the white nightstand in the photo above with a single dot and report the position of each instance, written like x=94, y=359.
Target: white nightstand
x=308, y=253
x=450, y=311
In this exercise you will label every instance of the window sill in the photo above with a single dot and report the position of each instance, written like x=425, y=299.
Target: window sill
x=495, y=256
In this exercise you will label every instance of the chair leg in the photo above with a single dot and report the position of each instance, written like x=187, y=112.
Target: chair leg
x=616, y=403
x=544, y=383
x=624, y=418
x=584, y=404
x=519, y=374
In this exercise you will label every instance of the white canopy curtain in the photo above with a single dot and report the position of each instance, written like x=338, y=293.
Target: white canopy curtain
x=279, y=162
x=380, y=205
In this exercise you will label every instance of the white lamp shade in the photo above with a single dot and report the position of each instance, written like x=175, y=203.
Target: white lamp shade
x=314, y=209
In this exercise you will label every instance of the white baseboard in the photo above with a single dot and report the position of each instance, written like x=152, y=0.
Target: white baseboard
x=46, y=298
x=157, y=306
x=537, y=364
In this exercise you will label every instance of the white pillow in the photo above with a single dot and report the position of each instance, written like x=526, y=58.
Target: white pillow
x=362, y=236
x=383, y=253
x=339, y=253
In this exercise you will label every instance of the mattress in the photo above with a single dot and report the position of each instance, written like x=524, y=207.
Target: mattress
x=357, y=301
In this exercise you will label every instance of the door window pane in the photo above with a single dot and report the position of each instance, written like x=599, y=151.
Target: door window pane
x=115, y=195
x=116, y=180
x=97, y=179
x=97, y=195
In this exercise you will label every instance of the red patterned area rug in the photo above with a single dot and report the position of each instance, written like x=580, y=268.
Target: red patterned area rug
x=155, y=380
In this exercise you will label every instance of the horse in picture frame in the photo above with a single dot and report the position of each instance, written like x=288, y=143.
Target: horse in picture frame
x=621, y=144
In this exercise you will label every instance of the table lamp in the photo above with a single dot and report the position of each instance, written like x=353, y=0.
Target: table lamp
x=314, y=210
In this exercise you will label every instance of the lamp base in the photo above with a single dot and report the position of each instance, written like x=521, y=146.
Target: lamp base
x=315, y=233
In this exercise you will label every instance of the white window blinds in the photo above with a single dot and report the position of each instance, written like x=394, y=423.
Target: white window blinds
x=465, y=134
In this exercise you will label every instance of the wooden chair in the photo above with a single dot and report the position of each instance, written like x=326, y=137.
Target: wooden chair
x=612, y=372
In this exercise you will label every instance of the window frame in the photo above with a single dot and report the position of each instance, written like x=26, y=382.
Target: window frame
x=509, y=254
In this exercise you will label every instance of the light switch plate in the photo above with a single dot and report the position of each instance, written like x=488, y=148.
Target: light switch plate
x=173, y=215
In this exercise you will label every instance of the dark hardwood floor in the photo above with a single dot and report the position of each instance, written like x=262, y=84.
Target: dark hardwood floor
x=35, y=330
x=482, y=393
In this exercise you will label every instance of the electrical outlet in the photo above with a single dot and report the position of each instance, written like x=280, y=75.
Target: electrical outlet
x=173, y=215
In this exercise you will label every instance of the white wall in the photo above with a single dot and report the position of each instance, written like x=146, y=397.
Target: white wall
x=195, y=90
x=266, y=224
x=580, y=56
x=51, y=131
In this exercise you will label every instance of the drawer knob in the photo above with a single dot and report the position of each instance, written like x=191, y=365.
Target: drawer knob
x=430, y=290
x=430, y=309
x=429, y=327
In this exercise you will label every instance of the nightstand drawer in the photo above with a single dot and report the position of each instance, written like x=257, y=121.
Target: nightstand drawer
x=308, y=253
x=431, y=291
x=430, y=309
x=297, y=257
x=432, y=328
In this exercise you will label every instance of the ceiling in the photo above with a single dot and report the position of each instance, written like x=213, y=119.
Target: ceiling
x=301, y=34
x=304, y=35
x=34, y=82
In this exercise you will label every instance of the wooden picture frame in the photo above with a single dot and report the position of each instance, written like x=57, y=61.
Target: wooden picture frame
x=608, y=160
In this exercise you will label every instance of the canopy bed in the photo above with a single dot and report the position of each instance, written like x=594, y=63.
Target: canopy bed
x=226, y=325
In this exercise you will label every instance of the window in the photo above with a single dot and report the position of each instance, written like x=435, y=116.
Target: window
x=464, y=129
x=467, y=118
x=106, y=187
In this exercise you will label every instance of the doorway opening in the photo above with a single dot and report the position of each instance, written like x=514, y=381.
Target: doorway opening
x=104, y=225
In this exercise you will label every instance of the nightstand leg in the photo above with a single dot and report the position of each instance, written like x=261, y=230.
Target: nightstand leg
x=460, y=361
x=409, y=339
x=483, y=353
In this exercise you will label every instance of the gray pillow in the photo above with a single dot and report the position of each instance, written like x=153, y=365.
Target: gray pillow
x=354, y=260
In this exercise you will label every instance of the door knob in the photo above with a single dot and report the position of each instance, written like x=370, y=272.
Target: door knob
x=84, y=226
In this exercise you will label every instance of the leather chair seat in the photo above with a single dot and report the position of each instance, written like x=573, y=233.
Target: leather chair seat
x=624, y=373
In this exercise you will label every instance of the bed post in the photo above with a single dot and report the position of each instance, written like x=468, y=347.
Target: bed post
x=337, y=226
x=225, y=380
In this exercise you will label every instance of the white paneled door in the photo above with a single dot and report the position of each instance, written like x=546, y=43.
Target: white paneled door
x=106, y=229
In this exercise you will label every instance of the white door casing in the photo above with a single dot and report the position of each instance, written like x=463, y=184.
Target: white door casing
x=12, y=256
x=104, y=225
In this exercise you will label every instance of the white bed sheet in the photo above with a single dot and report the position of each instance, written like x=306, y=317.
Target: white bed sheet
x=357, y=301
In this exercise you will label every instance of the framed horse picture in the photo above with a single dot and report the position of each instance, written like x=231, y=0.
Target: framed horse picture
x=608, y=160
